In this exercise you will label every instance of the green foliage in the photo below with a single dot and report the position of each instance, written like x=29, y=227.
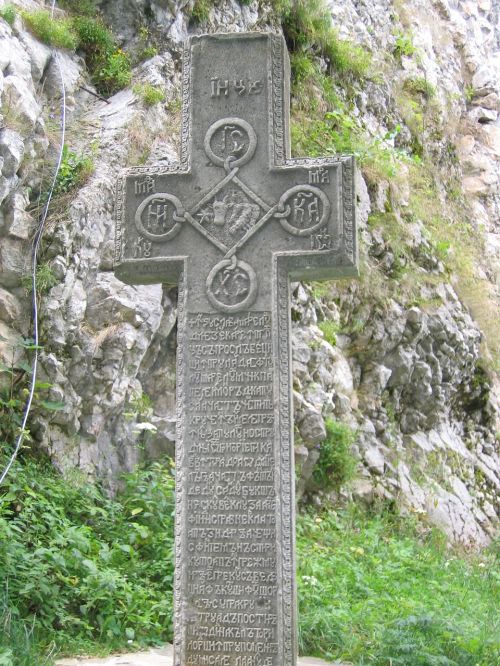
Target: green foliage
x=329, y=329
x=45, y=279
x=8, y=13
x=308, y=30
x=379, y=589
x=201, y=11
x=81, y=571
x=51, y=31
x=469, y=92
x=336, y=465
x=73, y=172
x=108, y=65
x=150, y=94
x=403, y=45
x=420, y=86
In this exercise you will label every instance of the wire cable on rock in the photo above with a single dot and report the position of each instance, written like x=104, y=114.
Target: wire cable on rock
x=34, y=264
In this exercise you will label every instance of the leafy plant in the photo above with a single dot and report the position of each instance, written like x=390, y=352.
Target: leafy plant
x=150, y=94
x=403, y=45
x=74, y=171
x=8, y=13
x=201, y=11
x=45, y=279
x=83, y=571
x=336, y=465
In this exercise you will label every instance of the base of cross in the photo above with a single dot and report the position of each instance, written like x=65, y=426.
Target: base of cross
x=162, y=657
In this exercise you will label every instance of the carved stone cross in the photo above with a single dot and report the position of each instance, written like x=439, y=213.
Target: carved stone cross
x=230, y=224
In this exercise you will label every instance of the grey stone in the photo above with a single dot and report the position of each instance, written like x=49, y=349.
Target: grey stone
x=375, y=460
x=10, y=307
x=232, y=235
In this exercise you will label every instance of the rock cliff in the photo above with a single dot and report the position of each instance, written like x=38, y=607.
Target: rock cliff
x=407, y=357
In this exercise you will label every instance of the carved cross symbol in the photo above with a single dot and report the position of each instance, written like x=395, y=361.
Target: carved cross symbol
x=230, y=224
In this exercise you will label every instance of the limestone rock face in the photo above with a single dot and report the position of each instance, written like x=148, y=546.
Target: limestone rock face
x=404, y=373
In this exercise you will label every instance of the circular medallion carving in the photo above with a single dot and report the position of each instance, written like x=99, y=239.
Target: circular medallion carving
x=303, y=209
x=230, y=142
x=159, y=217
x=231, y=285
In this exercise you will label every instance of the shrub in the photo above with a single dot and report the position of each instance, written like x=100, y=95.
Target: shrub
x=403, y=45
x=336, y=465
x=201, y=11
x=51, y=31
x=79, y=569
x=8, y=13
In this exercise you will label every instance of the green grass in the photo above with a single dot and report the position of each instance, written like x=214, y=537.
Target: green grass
x=150, y=94
x=54, y=32
x=82, y=573
x=109, y=66
x=308, y=29
x=378, y=590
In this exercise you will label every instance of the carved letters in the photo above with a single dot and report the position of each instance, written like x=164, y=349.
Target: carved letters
x=231, y=523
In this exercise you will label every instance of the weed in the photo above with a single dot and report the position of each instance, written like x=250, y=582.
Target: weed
x=8, y=13
x=336, y=465
x=420, y=86
x=149, y=94
x=403, y=45
x=45, y=280
x=469, y=92
x=308, y=30
x=51, y=31
x=82, y=571
x=329, y=329
x=74, y=171
x=201, y=11
x=115, y=73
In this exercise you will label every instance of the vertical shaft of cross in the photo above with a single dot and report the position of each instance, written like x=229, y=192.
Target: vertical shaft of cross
x=234, y=567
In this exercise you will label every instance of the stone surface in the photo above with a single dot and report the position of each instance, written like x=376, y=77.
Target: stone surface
x=231, y=234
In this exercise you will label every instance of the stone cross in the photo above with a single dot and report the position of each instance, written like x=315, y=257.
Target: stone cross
x=231, y=224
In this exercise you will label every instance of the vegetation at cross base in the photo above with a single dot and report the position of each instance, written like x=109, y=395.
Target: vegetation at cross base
x=383, y=590
x=82, y=573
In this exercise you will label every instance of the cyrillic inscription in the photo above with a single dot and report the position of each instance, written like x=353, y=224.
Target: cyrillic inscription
x=231, y=496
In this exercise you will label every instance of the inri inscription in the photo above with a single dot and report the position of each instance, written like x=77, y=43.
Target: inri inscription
x=230, y=224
